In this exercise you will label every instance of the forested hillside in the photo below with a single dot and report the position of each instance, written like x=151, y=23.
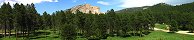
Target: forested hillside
x=132, y=10
x=179, y=16
x=25, y=21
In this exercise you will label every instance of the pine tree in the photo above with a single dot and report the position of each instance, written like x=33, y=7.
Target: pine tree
x=68, y=32
x=111, y=21
x=7, y=10
x=17, y=19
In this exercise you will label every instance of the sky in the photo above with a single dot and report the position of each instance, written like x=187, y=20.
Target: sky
x=51, y=6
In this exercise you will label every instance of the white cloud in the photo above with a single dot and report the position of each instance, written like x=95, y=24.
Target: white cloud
x=103, y=3
x=139, y=3
x=26, y=1
x=56, y=1
x=74, y=1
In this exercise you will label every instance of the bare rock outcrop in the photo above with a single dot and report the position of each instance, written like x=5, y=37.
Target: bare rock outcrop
x=86, y=8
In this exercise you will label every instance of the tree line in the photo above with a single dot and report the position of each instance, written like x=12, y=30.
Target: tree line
x=100, y=26
x=179, y=17
x=137, y=23
x=25, y=20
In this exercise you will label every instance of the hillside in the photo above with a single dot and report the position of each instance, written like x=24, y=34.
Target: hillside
x=131, y=10
x=161, y=7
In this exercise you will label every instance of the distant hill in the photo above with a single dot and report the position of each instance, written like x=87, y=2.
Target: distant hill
x=161, y=7
x=131, y=10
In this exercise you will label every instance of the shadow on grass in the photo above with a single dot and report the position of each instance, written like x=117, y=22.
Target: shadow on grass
x=190, y=32
x=35, y=35
x=39, y=35
x=170, y=32
x=1, y=36
x=126, y=36
x=55, y=37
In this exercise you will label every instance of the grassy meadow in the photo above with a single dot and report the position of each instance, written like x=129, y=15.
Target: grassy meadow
x=154, y=35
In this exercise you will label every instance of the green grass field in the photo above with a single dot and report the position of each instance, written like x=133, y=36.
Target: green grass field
x=44, y=35
x=154, y=35
x=157, y=35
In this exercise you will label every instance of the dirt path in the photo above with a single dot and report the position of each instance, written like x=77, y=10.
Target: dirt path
x=180, y=32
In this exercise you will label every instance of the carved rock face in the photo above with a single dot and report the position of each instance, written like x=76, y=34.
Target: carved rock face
x=86, y=8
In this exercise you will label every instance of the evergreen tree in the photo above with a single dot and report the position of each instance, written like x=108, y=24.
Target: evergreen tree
x=8, y=19
x=68, y=32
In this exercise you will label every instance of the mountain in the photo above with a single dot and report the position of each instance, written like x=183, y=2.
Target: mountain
x=131, y=10
x=86, y=8
x=161, y=8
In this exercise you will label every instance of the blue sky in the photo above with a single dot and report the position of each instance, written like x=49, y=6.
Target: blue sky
x=54, y=5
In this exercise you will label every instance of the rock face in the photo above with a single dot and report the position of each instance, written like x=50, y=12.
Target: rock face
x=86, y=8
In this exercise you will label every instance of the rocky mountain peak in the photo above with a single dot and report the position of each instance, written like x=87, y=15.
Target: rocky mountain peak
x=86, y=8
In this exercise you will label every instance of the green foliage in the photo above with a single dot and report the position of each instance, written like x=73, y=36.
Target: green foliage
x=68, y=32
x=156, y=35
x=25, y=19
x=46, y=21
x=20, y=17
